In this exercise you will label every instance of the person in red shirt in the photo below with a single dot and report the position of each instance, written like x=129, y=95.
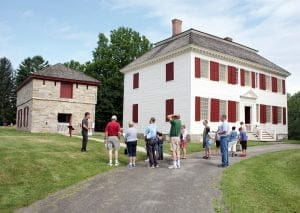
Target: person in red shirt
x=112, y=139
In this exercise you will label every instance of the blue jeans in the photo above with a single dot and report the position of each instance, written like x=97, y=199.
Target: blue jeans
x=224, y=150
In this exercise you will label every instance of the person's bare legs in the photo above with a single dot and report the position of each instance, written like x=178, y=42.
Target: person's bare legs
x=110, y=156
x=116, y=157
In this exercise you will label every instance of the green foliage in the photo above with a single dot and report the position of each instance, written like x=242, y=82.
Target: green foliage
x=265, y=183
x=110, y=55
x=29, y=66
x=294, y=116
x=75, y=65
x=8, y=92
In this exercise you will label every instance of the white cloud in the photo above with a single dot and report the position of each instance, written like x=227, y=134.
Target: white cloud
x=27, y=14
x=271, y=26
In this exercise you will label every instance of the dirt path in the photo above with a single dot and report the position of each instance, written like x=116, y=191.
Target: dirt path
x=189, y=189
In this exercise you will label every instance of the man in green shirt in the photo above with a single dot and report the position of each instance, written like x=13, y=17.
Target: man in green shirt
x=175, y=132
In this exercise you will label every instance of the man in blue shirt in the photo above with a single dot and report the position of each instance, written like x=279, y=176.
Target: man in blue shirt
x=151, y=143
x=223, y=133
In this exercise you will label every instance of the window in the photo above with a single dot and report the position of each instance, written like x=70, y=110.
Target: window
x=268, y=114
x=87, y=86
x=197, y=67
x=25, y=116
x=279, y=115
x=135, y=113
x=136, y=80
x=222, y=72
x=279, y=85
x=66, y=90
x=268, y=83
x=214, y=110
x=274, y=114
x=232, y=75
x=257, y=113
x=284, y=115
x=63, y=117
x=283, y=87
x=44, y=82
x=274, y=84
x=169, y=107
x=247, y=78
x=197, y=109
x=170, y=71
x=204, y=108
x=20, y=120
x=263, y=114
x=223, y=107
x=262, y=81
x=232, y=111
x=214, y=71
x=253, y=78
x=242, y=77
x=204, y=68
x=76, y=86
x=54, y=83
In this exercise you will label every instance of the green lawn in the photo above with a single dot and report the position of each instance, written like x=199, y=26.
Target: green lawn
x=265, y=183
x=34, y=165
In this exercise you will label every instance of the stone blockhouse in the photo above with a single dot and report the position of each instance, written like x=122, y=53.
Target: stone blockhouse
x=53, y=97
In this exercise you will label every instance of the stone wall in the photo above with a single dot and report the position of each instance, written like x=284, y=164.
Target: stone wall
x=24, y=94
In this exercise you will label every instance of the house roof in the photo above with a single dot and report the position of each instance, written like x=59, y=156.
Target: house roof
x=209, y=42
x=59, y=72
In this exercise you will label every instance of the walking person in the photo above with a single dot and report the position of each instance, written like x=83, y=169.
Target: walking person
x=131, y=142
x=223, y=133
x=243, y=140
x=183, y=141
x=175, y=139
x=206, y=139
x=112, y=139
x=233, y=137
x=85, y=130
x=160, y=146
x=151, y=143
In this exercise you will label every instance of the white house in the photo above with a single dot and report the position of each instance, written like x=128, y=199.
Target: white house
x=202, y=76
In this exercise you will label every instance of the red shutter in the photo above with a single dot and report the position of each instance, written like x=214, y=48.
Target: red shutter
x=197, y=109
x=214, y=71
x=274, y=84
x=197, y=68
x=253, y=79
x=135, y=113
x=263, y=114
x=232, y=75
x=136, y=80
x=66, y=90
x=170, y=71
x=283, y=87
x=242, y=74
x=284, y=115
x=274, y=114
x=262, y=81
x=231, y=111
x=169, y=107
x=214, y=110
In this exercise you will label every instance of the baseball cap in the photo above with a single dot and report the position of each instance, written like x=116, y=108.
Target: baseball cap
x=114, y=117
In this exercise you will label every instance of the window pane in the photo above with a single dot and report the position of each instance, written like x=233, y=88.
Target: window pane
x=223, y=107
x=204, y=68
x=268, y=109
x=222, y=72
x=279, y=115
x=204, y=108
x=247, y=79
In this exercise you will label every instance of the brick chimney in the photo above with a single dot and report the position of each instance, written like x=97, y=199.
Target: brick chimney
x=176, y=26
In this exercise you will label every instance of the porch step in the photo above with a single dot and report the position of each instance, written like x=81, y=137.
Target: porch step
x=266, y=137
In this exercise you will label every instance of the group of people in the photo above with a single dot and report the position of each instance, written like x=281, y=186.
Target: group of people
x=225, y=139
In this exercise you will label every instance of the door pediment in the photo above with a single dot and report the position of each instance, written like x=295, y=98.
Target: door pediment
x=249, y=95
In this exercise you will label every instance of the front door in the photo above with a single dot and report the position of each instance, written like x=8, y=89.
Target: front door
x=247, y=115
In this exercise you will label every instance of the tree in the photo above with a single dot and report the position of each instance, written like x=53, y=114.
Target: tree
x=8, y=92
x=110, y=55
x=294, y=116
x=29, y=66
x=75, y=65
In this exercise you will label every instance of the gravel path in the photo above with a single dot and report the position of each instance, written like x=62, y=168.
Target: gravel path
x=189, y=189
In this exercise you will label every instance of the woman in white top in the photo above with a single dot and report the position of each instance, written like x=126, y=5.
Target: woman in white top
x=131, y=141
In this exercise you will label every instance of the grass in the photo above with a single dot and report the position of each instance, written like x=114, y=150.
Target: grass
x=265, y=183
x=34, y=165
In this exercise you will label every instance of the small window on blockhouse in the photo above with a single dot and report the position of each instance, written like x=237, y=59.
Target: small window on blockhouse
x=44, y=82
x=87, y=86
x=63, y=117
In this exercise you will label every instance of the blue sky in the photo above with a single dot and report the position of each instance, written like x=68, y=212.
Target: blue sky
x=61, y=30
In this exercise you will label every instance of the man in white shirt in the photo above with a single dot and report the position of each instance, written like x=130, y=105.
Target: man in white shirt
x=223, y=133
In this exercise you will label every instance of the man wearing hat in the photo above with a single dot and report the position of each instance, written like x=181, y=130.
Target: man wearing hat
x=112, y=139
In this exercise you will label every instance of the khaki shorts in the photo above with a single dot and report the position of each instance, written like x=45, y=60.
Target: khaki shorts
x=175, y=144
x=113, y=143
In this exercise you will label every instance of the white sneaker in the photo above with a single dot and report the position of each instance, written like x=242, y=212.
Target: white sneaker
x=172, y=167
x=178, y=167
x=117, y=164
x=109, y=164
